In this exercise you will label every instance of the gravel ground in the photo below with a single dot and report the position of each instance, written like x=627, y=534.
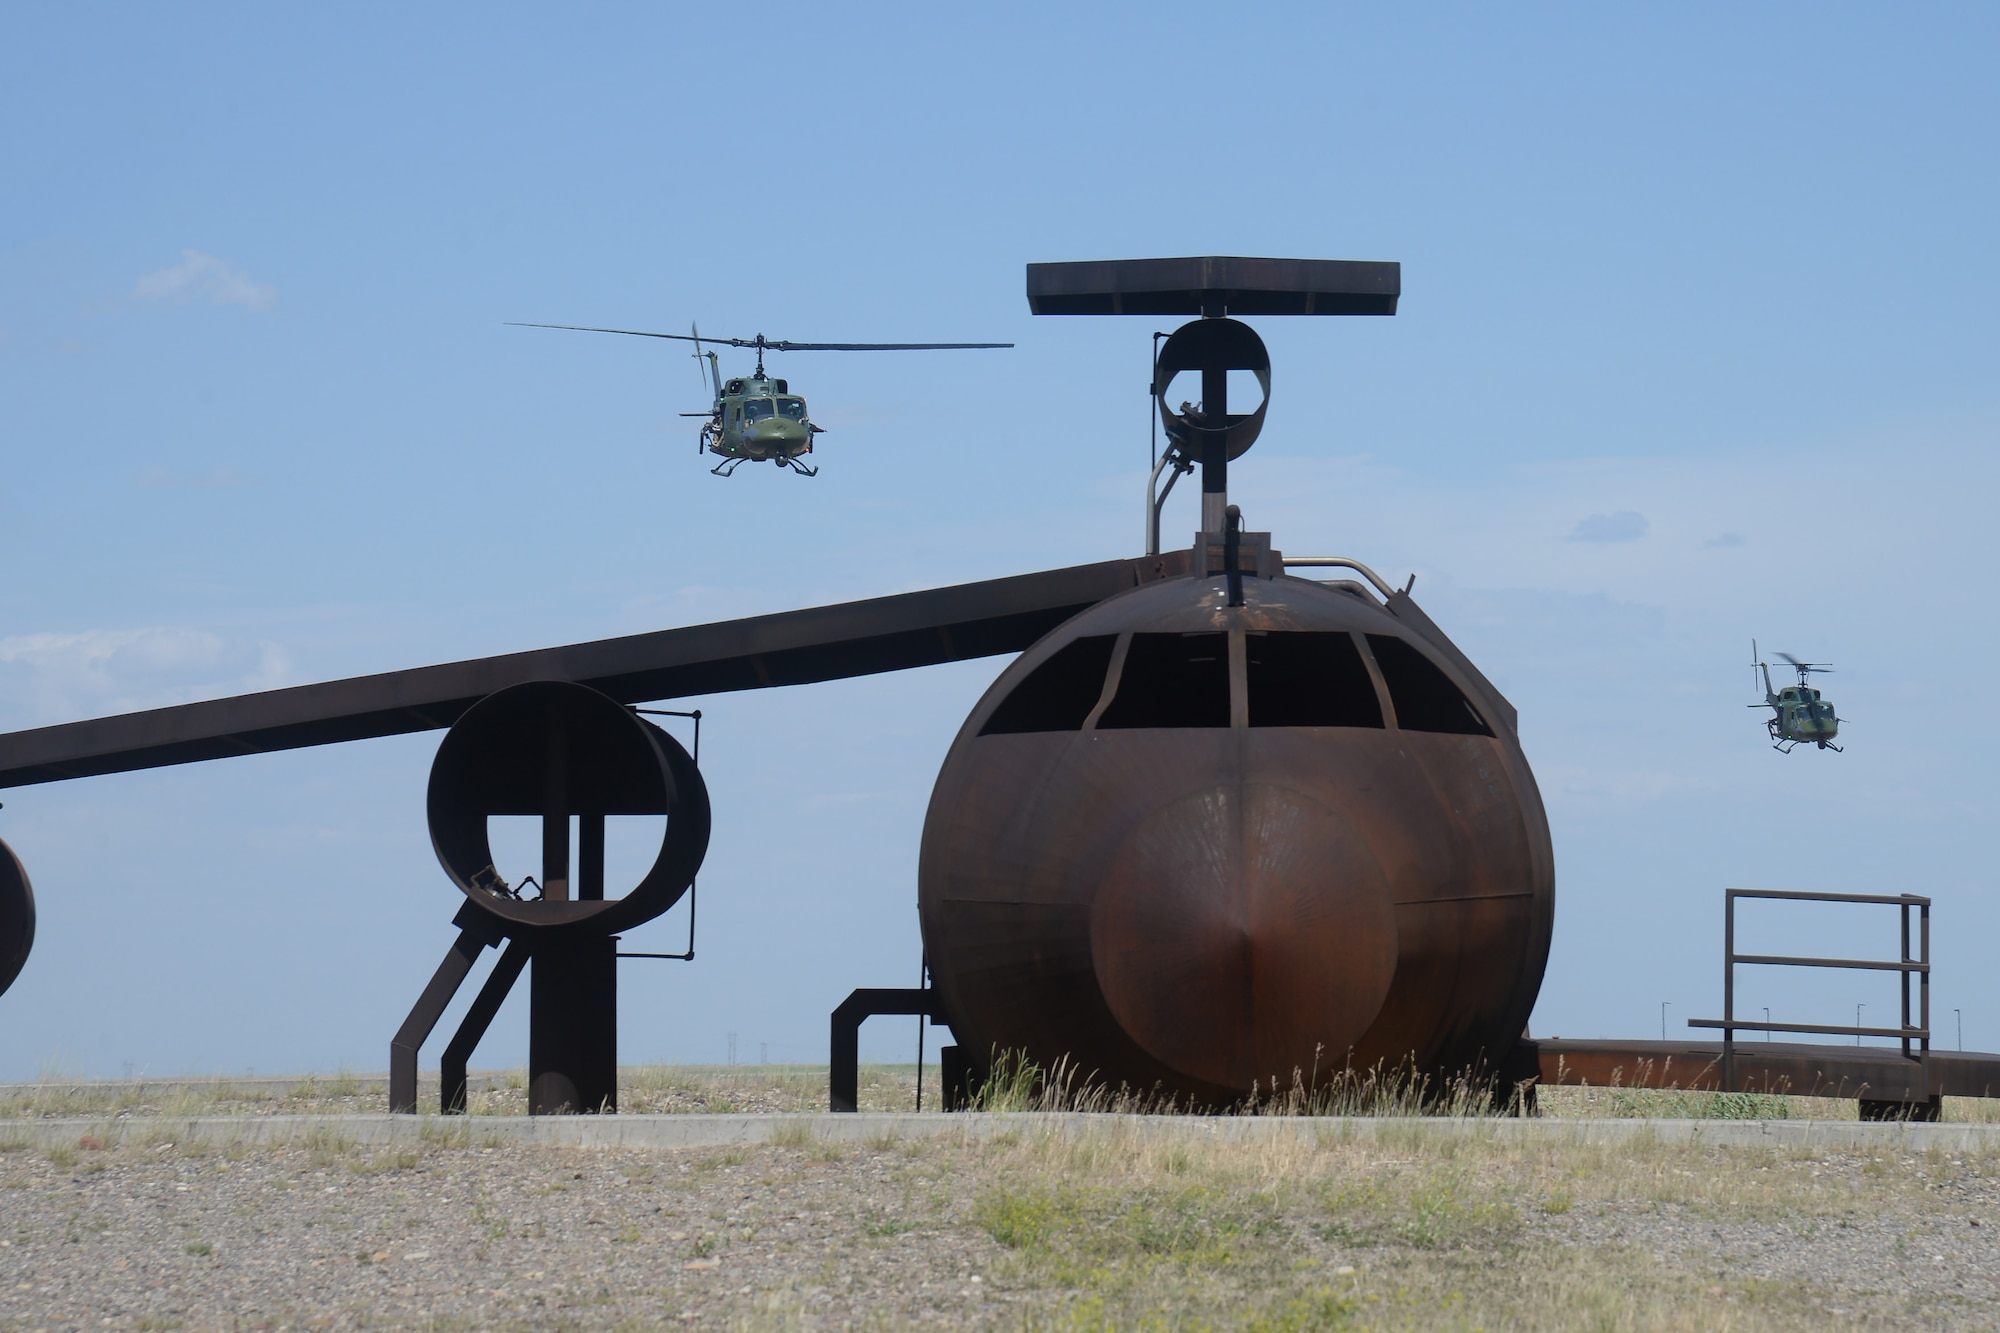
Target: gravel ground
x=1110, y=1231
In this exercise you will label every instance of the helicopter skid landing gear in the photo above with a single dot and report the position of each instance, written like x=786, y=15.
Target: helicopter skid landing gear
x=796, y=466
x=726, y=466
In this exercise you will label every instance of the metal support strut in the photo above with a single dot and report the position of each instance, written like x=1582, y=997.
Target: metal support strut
x=451, y=1065
x=844, y=1073
x=476, y=930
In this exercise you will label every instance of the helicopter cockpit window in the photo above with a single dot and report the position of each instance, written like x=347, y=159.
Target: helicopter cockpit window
x=1312, y=679
x=795, y=408
x=757, y=409
x=1424, y=697
x=1172, y=680
x=1059, y=694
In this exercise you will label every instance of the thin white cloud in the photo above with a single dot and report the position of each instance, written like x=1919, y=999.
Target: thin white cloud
x=56, y=677
x=203, y=277
x=1623, y=526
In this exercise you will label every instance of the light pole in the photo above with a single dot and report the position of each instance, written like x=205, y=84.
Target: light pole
x=1663, y=1020
x=1960, y=1015
x=1767, y=1022
x=1857, y=1021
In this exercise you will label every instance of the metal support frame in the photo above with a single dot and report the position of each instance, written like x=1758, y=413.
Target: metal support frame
x=476, y=930
x=1232, y=547
x=1907, y=966
x=1214, y=448
x=573, y=1026
x=451, y=1065
x=843, y=1078
x=962, y=1078
x=688, y=955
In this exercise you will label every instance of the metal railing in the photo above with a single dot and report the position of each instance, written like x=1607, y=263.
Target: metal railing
x=1342, y=562
x=1918, y=967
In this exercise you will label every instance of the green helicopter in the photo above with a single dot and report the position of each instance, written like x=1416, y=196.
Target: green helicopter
x=758, y=419
x=1799, y=715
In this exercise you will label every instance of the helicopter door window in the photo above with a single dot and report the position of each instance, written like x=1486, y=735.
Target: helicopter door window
x=1308, y=680
x=757, y=409
x=795, y=408
x=1423, y=696
x=1172, y=680
x=1059, y=694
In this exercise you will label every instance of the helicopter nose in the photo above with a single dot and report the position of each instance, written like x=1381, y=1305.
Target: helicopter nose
x=780, y=431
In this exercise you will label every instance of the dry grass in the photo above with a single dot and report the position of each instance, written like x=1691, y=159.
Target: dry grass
x=802, y=1090
x=1427, y=1229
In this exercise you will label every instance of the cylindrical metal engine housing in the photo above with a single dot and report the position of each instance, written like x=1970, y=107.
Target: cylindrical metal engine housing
x=17, y=917
x=1197, y=848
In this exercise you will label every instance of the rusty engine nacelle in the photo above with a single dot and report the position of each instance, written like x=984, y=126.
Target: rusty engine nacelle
x=17, y=917
x=1196, y=847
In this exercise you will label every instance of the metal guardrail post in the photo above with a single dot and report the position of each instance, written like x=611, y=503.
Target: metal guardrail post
x=1905, y=966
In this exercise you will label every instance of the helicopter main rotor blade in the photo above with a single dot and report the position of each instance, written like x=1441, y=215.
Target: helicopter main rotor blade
x=876, y=347
x=1812, y=668
x=765, y=343
x=636, y=333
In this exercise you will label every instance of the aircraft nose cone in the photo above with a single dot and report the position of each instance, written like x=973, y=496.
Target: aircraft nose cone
x=1241, y=932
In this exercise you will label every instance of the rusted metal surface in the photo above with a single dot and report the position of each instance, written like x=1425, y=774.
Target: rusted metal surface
x=560, y=751
x=1202, y=908
x=1214, y=347
x=1215, y=284
x=915, y=629
x=1862, y=1072
x=17, y=917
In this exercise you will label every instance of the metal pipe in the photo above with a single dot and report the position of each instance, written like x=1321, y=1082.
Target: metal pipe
x=1341, y=562
x=1863, y=964
x=1156, y=503
x=1801, y=895
x=1829, y=1029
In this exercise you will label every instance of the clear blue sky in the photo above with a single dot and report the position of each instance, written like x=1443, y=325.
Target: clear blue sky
x=1697, y=343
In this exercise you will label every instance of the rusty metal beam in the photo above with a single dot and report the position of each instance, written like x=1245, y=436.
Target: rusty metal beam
x=1875, y=1072
x=1213, y=284
x=915, y=629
